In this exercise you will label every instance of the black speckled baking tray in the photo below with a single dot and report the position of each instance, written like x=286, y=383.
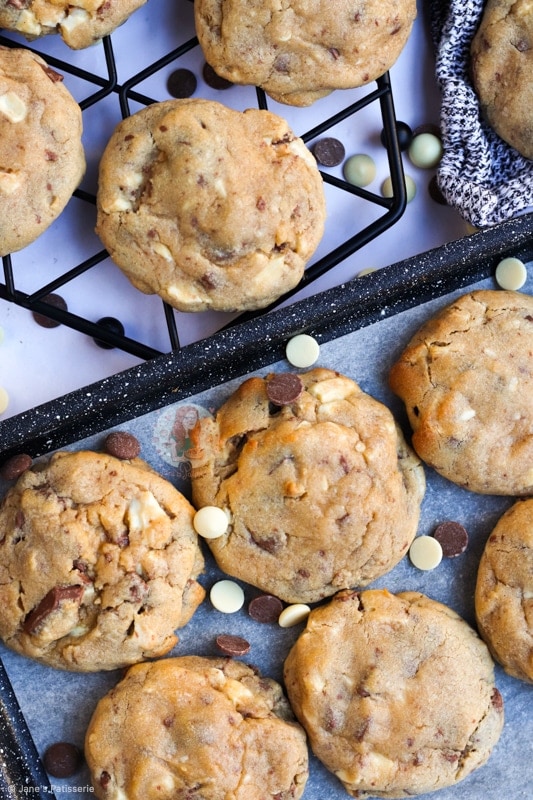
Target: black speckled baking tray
x=247, y=347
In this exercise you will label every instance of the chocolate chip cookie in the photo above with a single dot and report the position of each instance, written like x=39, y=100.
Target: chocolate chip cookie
x=321, y=490
x=466, y=379
x=209, y=207
x=194, y=726
x=79, y=25
x=98, y=563
x=502, y=70
x=504, y=591
x=301, y=51
x=42, y=160
x=396, y=693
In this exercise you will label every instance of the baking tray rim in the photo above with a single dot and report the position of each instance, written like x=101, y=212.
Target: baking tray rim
x=253, y=344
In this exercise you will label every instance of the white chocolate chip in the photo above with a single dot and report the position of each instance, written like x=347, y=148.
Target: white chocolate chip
x=4, y=399
x=236, y=692
x=425, y=150
x=210, y=522
x=13, y=107
x=425, y=552
x=293, y=615
x=163, y=251
x=511, y=274
x=227, y=596
x=302, y=350
x=467, y=414
x=10, y=182
x=410, y=188
x=27, y=23
x=332, y=389
x=142, y=511
x=75, y=18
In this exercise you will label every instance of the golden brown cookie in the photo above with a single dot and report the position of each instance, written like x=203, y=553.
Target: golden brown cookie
x=79, y=25
x=321, y=489
x=396, y=693
x=466, y=379
x=502, y=70
x=42, y=160
x=187, y=727
x=209, y=207
x=504, y=591
x=98, y=563
x=301, y=51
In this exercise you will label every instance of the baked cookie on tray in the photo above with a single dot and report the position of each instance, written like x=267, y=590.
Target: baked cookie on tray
x=301, y=51
x=502, y=70
x=320, y=488
x=504, y=591
x=466, y=379
x=396, y=693
x=209, y=207
x=98, y=562
x=195, y=726
x=42, y=159
x=79, y=24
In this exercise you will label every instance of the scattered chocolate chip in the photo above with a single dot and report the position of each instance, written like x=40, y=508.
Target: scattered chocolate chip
x=452, y=537
x=284, y=388
x=329, y=151
x=232, y=645
x=113, y=326
x=62, y=759
x=265, y=608
x=15, y=466
x=435, y=192
x=122, y=445
x=404, y=135
x=50, y=603
x=181, y=83
x=213, y=80
x=56, y=301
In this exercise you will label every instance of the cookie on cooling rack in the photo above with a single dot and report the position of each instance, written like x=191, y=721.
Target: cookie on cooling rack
x=98, y=563
x=502, y=70
x=42, y=160
x=300, y=52
x=466, y=381
x=209, y=207
x=78, y=25
x=396, y=693
x=320, y=487
x=504, y=591
x=178, y=724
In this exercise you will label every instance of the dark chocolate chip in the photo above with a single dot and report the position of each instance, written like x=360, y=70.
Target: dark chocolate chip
x=50, y=603
x=213, y=80
x=284, y=388
x=122, y=445
x=435, y=192
x=15, y=466
x=181, y=83
x=62, y=759
x=452, y=537
x=329, y=151
x=232, y=645
x=113, y=326
x=404, y=134
x=56, y=301
x=265, y=608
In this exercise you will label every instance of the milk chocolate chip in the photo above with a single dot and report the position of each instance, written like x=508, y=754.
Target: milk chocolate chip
x=50, y=603
x=284, y=388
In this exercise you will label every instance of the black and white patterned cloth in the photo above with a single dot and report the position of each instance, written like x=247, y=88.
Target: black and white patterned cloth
x=487, y=180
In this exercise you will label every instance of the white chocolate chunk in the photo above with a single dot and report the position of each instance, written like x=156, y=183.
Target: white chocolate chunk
x=210, y=522
x=10, y=182
x=332, y=389
x=236, y=692
x=27, y=23
x=293, y=615
x=142, y=511
x=163, y=251
x=302, y=350
x=13, y=107
x=227, y=596
x=425, y=552
x=76, y=17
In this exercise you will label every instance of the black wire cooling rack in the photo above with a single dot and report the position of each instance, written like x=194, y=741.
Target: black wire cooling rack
x=389, y=209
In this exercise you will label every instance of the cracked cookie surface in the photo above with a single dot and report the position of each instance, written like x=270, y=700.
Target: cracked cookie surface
x=466, y=378
x=196, y=727
x=322, y=493
x=504, y=591
x=209, y=207
x=42, y=160
x=502, y=70
x=98, y=563
x=396, y=693
x=302, y=50
x=79, y=24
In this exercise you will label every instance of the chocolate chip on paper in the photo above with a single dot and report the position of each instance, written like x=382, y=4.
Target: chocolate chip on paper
x=265, y=608
x=452, y=537
x=62, y=759
x=232, y=645
x=122, y=444
x=15, y=466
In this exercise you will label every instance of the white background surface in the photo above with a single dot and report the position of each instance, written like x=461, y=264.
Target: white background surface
x=37, y=364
